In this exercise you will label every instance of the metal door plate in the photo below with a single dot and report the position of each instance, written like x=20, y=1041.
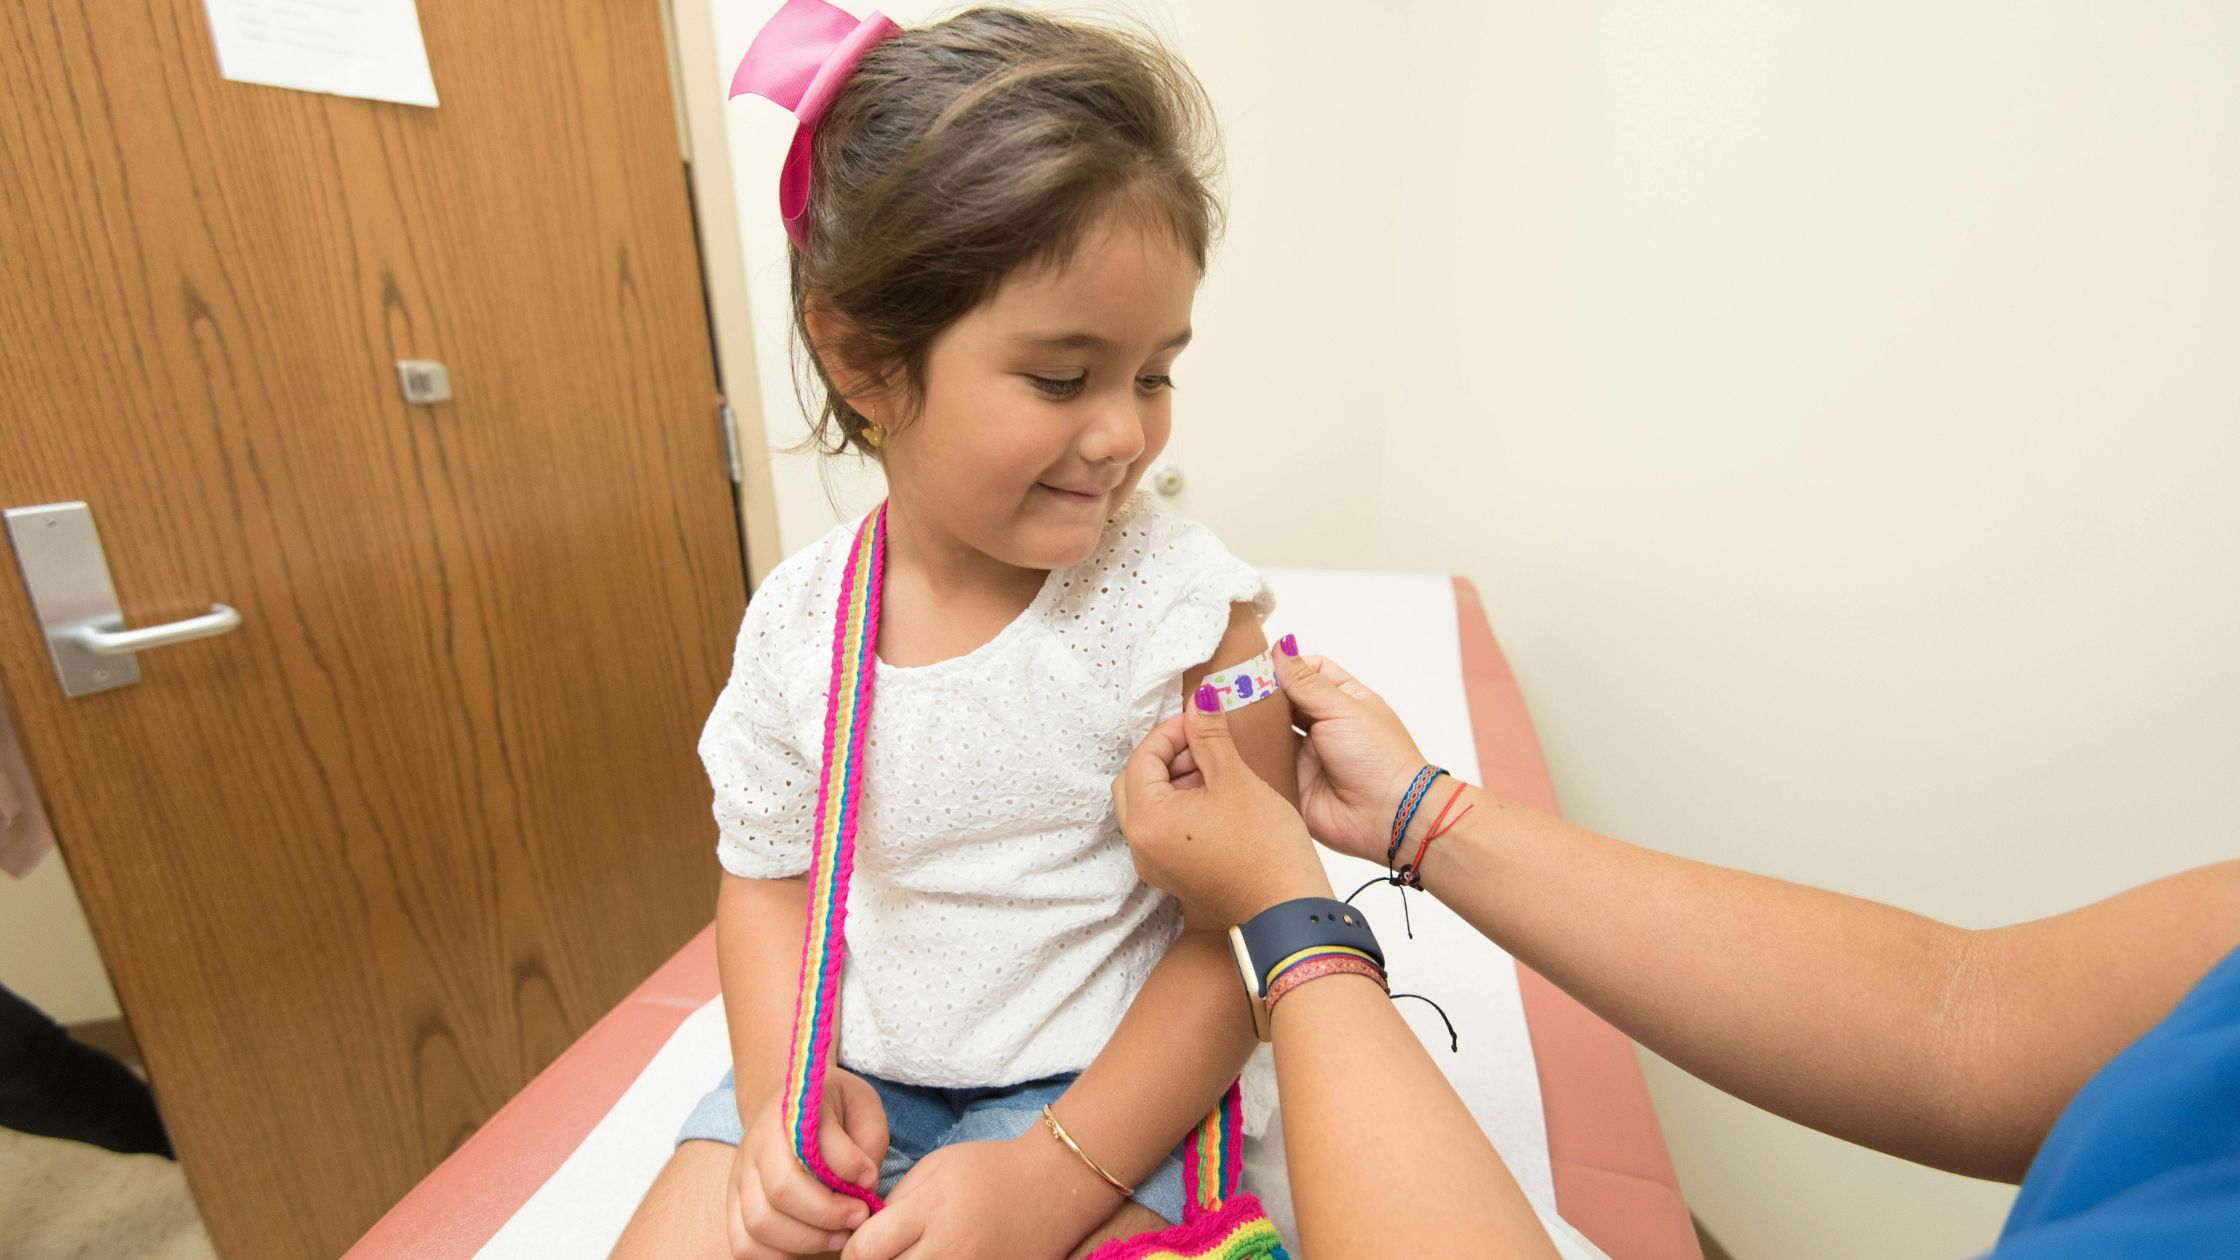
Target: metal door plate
x=60, y=555
x=424, y=380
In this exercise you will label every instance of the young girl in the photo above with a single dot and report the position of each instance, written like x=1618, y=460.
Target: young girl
x=999, y=228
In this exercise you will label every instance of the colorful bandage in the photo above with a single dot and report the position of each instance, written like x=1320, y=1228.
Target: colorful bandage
x=1249, y=683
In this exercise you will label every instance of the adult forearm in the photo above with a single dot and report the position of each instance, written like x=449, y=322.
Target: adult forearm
x=1385, y=1159
x=1856, y=1018
x=1949, y=1046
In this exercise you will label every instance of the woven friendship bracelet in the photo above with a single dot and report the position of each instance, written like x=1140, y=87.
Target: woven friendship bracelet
x=1406, y=814
x=1320, y=968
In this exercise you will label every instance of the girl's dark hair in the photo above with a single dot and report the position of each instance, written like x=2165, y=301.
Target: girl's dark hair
x=959, y=152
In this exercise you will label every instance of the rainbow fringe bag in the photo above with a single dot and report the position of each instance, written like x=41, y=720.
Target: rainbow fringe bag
x=1220, y=1221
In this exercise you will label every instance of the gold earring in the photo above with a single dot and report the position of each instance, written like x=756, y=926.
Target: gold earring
x=873, y=434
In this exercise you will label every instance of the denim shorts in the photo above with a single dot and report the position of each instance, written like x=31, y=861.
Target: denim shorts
x=923, y=1118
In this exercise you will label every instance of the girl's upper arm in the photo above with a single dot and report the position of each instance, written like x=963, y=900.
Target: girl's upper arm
x=1263, y=729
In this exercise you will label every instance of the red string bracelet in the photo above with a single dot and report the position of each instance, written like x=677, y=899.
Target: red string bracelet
x=1412, y=873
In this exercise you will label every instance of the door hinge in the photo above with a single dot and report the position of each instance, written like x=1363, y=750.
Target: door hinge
x=728, y=421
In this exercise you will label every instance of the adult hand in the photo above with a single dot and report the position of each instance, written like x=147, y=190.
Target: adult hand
x=1357, y=759
x=1204, y=827
x=774, y=1208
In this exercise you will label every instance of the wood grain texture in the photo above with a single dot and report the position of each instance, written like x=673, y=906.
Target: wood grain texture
x=362, y=867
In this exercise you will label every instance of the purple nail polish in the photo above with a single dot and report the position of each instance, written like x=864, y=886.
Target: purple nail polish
x=1289, y=644
x=1209, y=700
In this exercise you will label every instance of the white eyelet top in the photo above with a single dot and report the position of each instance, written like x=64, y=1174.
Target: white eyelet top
x=996, y=928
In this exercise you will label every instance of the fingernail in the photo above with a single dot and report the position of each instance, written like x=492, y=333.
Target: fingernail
x=1209, y=700
x=1289, y=644
x=836, y=1242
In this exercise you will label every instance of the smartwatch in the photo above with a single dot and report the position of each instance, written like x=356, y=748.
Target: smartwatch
x=1280, y=933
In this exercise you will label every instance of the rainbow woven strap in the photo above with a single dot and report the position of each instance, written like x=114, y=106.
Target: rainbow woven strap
x=1220, y=1221
x=847, y=719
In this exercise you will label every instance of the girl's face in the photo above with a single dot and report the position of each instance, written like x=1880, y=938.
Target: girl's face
x=1044, y=404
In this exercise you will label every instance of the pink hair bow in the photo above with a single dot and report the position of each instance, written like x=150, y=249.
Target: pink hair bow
x=800, y=60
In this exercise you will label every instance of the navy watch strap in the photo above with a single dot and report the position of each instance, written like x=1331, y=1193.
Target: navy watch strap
x=1282, y=930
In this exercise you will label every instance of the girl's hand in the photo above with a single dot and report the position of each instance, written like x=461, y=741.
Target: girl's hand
x=1026, y=1198
x=1201, y=825
x=774, y=1208
x=1357, y=759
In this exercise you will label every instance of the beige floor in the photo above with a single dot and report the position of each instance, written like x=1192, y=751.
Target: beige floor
x=69, y=1201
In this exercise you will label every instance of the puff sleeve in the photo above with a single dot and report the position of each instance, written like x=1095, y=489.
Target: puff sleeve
x=1184, y=591
x=765, y=784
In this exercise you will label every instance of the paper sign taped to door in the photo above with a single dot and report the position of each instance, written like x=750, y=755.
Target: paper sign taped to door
x=364, y=48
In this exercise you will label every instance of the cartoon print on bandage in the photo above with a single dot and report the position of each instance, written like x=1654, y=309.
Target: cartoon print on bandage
x=1249, y=683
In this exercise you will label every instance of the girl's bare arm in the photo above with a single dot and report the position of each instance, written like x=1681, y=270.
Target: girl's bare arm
x=1189, y=1031
x=758, y=958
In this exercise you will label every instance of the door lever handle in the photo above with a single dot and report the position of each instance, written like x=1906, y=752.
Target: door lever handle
x=67, y=577
x=101, y=640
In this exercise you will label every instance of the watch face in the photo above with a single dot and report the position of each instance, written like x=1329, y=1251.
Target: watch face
x=1245, y=970
x=1250, y=975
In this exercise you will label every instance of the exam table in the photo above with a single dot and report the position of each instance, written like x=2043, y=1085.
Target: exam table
x=557, y=1170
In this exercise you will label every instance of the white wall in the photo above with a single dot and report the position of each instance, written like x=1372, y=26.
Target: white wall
x=46, y=947
x=806, y=487
x=47, y=953
x=1834, y=403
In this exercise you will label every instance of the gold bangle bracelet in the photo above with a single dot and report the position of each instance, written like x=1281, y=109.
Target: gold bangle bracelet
x=1058, y=1131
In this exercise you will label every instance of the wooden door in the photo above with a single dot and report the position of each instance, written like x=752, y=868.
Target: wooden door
x=362, y=866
